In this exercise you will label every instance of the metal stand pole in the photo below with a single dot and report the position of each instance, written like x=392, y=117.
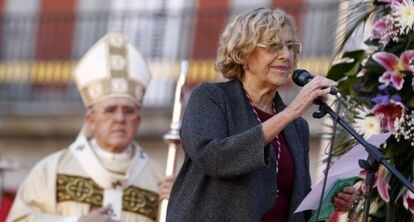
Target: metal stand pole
x=371, y=166
x=375, y=156
x=173, y=137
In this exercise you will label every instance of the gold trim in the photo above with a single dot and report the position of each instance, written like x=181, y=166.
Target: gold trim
x=140, y=201
x=78, y=189
x=85, y=190
x=106, y=89
x=122, y=52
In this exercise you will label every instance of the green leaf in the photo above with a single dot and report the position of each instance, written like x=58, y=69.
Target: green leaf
x=351, y=68
x=339, y=71
x=356, y=54
x=396, y=48
x=410, y=42
x=347, y=87
x=371, y=42
x=374, y=67
x=412, y=169
x=410, y=102
x=400, y=194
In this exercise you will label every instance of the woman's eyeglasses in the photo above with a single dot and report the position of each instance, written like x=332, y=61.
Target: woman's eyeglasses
x=293, y=47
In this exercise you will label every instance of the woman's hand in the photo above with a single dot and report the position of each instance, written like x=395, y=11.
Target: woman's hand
x=344, y=200
x=317, y=87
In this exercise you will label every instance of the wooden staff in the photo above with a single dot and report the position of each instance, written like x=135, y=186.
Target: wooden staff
x=173, y=136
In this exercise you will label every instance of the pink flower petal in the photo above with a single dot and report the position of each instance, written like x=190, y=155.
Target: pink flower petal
x=412, y=82
x=406, y=58
x=363, y=175
x=383, y=193
x=363, y=187
x=379, y=29
x=397, y=81
x=389, y=124
x=386, y=77
x=380, y=25
x=395, y=3
x=382, y=183
x=388, y=114
x=408, y=201
x=410, y=194
x=388, y=60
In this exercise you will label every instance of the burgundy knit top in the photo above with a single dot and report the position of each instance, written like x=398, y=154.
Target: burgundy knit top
x=285, y=178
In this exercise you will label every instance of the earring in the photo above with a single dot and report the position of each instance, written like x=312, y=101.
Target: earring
x=245, y=67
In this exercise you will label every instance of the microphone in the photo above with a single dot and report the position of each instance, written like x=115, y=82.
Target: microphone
x=301, y=77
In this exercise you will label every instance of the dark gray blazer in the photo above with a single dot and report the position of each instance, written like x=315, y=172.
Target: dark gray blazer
x=228, y=173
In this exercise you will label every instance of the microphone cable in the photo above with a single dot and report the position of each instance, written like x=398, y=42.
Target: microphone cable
x=330, y=150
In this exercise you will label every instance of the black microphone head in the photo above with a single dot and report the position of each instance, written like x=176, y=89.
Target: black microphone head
x=301, y=77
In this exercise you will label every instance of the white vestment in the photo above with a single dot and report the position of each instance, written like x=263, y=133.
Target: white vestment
x=72, y=182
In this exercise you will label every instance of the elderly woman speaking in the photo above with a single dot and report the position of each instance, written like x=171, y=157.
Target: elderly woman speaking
x=246, y=152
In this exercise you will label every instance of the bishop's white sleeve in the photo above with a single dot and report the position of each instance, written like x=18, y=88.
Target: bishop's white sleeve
x=35, y=199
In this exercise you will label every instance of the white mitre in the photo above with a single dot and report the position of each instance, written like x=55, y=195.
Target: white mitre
x=113, y=67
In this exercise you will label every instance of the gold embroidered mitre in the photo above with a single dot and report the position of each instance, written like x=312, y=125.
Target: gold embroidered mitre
x=113, y=67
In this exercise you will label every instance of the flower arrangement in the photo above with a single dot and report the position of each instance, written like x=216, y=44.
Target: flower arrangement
x=378, y=86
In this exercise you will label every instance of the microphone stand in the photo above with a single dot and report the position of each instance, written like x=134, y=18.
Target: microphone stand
x=319, y=115
x=375, y=157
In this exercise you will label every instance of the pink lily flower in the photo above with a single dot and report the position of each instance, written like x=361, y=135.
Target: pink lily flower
x=389, y=113
x=380, y=25
x=408, y=201
x=394, y=67
x=378, y=32
x=381, y=182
